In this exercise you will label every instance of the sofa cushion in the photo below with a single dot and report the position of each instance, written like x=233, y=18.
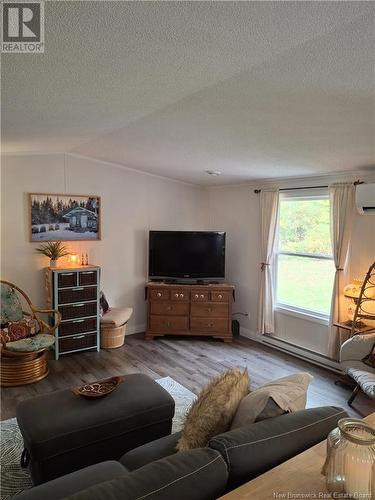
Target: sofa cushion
x=213, y=410
x=363, y=375
x=116, y=316
x=150, y=452
x=31, y=344
x=288, y=394
x=256, y=448
x=199, y=474
x=74, y=482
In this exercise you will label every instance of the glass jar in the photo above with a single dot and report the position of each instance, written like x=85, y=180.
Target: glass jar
x=350, y=463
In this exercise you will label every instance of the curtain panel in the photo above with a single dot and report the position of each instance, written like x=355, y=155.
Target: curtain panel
x=269, y=214
x=342, y=208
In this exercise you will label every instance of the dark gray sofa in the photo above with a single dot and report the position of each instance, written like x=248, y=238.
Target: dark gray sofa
x=156, y=471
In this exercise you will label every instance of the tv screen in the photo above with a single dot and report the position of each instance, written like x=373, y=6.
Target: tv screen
x=187, y=254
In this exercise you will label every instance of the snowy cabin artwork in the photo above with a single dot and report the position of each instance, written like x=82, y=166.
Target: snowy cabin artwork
x=64, y=217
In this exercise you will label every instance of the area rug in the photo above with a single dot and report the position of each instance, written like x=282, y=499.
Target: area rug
x=14, y=479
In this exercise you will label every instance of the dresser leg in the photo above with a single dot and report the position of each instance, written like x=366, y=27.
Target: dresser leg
x=149, y=337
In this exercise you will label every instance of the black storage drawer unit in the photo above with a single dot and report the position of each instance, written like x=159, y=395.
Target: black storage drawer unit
x=67, y=279
x=78, y=326
x=77, y=343
x=75, y=294
x=87, y=278
x=79, y=310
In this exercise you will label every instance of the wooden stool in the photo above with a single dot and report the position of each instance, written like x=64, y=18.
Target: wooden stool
x=113, y=327
x=24, y=369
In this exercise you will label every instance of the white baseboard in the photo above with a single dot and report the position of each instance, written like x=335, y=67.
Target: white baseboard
x=299, y=352
x=131, y=329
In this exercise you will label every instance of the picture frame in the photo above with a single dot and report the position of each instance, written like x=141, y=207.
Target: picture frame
x=65, y=217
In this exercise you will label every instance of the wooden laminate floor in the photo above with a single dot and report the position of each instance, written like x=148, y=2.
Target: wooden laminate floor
x=192, y=363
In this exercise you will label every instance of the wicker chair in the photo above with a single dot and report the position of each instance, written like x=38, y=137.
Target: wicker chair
x=25, y=362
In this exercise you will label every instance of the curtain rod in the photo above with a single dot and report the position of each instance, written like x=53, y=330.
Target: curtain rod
x=257, y=191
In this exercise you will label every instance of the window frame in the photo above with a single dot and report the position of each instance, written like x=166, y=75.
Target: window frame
x=289, y=309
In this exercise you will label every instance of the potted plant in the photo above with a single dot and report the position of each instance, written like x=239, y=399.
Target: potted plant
x=54, y=250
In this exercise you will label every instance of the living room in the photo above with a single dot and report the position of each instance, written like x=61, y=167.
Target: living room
x=138, y=135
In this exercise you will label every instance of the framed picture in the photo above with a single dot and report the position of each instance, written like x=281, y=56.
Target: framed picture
x=66, y=217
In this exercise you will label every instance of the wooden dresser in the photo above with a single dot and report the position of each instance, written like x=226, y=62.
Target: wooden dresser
x=174, y=309
x=74, y=292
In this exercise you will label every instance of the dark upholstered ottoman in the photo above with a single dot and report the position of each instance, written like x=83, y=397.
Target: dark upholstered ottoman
x=63, y=432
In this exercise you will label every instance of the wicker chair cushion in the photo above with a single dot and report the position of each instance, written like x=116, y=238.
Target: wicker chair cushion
x=11, y=308
x=31, y=344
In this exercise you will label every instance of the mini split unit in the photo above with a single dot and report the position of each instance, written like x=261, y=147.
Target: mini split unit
x=365, y=198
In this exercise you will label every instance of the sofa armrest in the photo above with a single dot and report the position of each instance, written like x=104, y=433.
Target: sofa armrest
x=149, y=452
x=62, y=487
x=253, y=449
x=357, y=347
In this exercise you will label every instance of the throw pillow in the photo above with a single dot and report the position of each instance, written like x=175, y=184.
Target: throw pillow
x=370, y=358
x=104, y=306
x=17, y=330
x=213, y=410
x=288, y=394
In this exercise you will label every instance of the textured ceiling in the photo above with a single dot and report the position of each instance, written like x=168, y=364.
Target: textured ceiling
x=254, y=89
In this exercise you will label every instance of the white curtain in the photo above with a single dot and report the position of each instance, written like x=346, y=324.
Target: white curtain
x=269, y=212
x=342, y=216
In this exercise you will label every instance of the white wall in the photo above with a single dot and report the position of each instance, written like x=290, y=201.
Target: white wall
x=132, y=203
x=235, y=209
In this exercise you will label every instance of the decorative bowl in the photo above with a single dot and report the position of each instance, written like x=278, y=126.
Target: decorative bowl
x=98, y=389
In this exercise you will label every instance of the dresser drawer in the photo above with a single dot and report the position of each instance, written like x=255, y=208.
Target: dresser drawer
x=209, y=309
x=78, y=326
x=159, y=294
x=220, y=296
x=180, y=295
x=169, y=323
x=77, y=294
x=209, y=324
x=200, y=295
x=78, y=342
x=78, y=310
x=87, y=278
x=66, y=279
x=170, y=308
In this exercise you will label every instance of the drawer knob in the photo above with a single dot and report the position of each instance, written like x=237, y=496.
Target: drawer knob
x=209, y=309
x=196, y=296
x=181, y=295
x=202, y=296
x=169, y=323
x=169, y=308
x=210, y=324
x=220, y=296
x=158, y=294
x=176, y=295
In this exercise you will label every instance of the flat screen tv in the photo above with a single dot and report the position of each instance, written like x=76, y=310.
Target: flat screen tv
x=187, y=255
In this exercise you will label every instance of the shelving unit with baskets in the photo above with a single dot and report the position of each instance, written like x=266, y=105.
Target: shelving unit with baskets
x=74, y=292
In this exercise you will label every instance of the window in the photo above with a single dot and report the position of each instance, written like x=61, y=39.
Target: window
x=305, y=268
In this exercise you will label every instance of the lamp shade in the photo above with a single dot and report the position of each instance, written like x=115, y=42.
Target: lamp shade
x=353, y=290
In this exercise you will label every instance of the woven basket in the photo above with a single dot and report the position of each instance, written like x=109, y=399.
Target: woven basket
x=112, y=336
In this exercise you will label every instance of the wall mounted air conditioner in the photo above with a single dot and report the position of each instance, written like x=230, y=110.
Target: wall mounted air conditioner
x=365, y=198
